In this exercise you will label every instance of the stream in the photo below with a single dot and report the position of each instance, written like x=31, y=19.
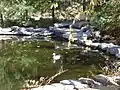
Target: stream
x=23, y=58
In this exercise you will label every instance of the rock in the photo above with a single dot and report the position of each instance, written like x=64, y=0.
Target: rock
x=97, y=34
x=6, y=29
x=105, y=80
x=95, y=44
x=101, y=79
x=22, y=31
x=15, y=28
x=115, y=50
x=84, y=84
x=55, y=86
x=117, y=55
x=89, y=33
x=62, y=25
x=83, y=36
x=46, y=87
x=117, y=79
x=69, y=87
x=39, y=30
x=0, y=29
x=30, y=29
x=88, y=42
x=46, y=33
x=90, y=82
x=104, y=46
x=84, y=31
x=89, y=89
x=109, y=88
x=76, y=83
x=69, y=82
x=58, y=86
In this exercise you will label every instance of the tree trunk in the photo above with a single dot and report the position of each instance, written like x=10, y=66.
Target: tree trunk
x=26, y=15
x=84, y=7
x=53, y=14
x=2, y=21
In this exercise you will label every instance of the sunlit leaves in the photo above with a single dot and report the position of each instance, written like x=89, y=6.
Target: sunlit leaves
x=55, y=5
x=94, y=2
x=107, y=15
x=20, y=11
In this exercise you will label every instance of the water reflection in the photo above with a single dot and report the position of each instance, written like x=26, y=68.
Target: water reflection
x=26, y=58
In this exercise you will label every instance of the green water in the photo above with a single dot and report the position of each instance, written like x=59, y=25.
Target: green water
x=21, y=60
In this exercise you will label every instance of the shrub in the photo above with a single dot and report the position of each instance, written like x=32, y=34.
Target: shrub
x=107, y=18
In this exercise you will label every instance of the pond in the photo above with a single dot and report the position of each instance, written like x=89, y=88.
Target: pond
x=22, y=59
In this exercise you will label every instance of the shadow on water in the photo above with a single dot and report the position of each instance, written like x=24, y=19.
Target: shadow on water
x=32, y=59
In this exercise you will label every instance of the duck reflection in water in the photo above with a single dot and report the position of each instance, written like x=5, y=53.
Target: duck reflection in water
x=57, y=59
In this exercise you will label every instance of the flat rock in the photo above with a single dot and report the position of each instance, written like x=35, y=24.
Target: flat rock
x=90, y=82
x=105, y=80
x=76, y=83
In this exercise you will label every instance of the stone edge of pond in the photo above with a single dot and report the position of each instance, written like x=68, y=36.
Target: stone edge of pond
x=98, y=82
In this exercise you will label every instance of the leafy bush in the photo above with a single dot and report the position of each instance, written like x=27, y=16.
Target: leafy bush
x=19, y=12
x=107, y=18
x=16, y=13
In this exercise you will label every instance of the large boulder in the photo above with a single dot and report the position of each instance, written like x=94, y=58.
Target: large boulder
x=104, y=46
x=105, y=80
x=76, y=83
x=23, y=31
x=90, y=82
x=15, y=28
x=62, y=25
x=115, y=50
x=50, y=87
x=95, y=44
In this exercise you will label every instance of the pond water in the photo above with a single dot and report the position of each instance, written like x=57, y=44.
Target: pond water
x=22, y=59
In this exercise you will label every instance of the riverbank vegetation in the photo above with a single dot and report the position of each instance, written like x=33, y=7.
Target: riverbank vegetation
x=37, y=12
x=107, y=18
x=104, y=15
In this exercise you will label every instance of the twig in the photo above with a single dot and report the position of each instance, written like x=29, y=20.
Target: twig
x=45, y=81
x=57, y=74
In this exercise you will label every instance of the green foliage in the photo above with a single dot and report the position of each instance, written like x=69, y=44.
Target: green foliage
x=107, y=16
x=20, y=11
x=19, y=62
x=16, y=12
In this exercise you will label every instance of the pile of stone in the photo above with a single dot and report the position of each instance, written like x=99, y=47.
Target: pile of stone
x=82, y=31
x=79, y=29
x=98, y=82
x=15, y=30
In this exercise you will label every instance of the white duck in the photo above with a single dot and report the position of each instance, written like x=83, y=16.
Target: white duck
x=55, y=57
